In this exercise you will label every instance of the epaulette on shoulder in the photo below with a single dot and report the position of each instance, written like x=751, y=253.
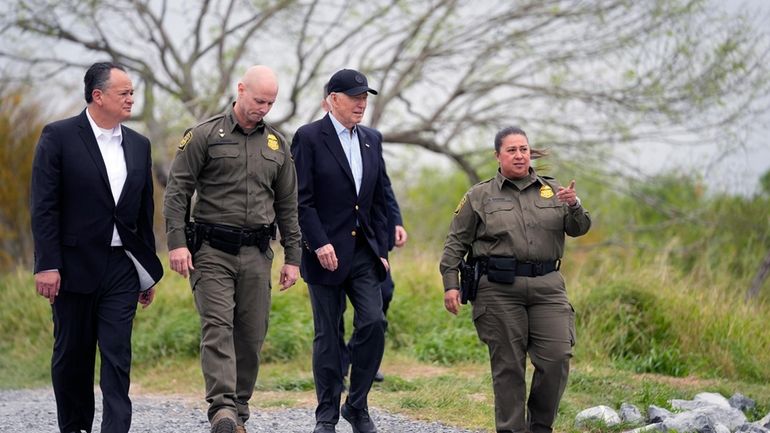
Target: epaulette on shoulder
x=479, y=185
x=483, y=182
x=544, y=176
x=210, y=119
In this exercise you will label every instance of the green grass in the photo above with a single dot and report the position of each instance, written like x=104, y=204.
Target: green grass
x=642, y=339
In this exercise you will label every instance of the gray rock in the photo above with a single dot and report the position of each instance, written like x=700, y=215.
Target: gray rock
x=721, y=428
x=630, y=414
x=703, y=399
x=604, y=414
x=657, y=414
x=690, y=422
x=741, y=402
x=705, y=419
x=751, y=428
x=764, y=422
x=649, y=428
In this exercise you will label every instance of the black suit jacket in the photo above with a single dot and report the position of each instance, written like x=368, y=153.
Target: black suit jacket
x=393, y=212
x=73, y=210
x=328, y=204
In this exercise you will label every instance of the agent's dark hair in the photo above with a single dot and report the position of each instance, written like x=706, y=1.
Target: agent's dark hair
x=515, y=130
x=97, y=77
x=508, y=130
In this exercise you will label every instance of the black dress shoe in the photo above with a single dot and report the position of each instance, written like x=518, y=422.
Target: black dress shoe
x=358, y=418
x=379, y=377
x=324, y=427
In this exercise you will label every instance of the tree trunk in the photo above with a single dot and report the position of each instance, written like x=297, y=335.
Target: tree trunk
x=756, y=284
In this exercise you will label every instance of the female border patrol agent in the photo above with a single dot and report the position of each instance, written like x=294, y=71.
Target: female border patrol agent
x=512, y=229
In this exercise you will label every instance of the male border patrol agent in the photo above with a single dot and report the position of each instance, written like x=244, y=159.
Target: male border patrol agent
x=513, y=227
x=242, y=171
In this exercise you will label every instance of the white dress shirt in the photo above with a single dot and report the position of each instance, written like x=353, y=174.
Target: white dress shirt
x=352, y=149
x=111, y=146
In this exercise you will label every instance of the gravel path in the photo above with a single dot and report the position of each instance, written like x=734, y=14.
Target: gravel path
x=35, y=411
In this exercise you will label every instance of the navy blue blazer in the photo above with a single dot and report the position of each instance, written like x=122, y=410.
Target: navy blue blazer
x=393, y=210
x=328, y=204
x=73, y=211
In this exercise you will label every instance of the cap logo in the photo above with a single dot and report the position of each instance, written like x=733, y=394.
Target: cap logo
x=359, y=79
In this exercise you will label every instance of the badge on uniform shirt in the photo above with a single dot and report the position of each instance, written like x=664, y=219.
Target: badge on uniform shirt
x=546, y=191
x=461, y=204
x=272, y=141
x=221, y=133
x=185, y=139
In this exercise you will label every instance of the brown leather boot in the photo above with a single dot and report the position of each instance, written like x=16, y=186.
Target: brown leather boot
x=223, y=422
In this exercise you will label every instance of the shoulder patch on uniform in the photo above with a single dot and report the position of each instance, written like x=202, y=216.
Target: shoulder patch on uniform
x=461, y=204
x=272, y=141
x=185, y=139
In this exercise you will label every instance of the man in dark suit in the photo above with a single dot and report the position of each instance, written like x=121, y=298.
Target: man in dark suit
x=342, y=216
x=397, y=237
x=92, y=214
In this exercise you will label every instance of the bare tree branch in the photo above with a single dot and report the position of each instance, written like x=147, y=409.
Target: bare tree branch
x=599, y=73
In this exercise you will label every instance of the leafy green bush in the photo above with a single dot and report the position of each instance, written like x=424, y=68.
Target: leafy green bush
x=172, y=332
x=451, y=345
x=635, y=330
x=290, y=334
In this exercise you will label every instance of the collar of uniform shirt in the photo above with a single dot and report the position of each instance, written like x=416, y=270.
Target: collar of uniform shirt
x=260, y=127
x=521, y=184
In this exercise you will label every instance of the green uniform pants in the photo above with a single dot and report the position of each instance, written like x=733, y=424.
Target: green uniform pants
x=232, y=295
x=531, y=316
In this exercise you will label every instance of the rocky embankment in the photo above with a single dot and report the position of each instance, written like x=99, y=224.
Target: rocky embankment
x=705, y=413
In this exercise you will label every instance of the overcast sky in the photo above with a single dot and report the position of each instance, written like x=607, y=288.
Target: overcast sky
x=724, y=172
x=721, y=169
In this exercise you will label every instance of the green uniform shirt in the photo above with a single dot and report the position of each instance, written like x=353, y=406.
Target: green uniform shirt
x=242, y=179
x=515, y=218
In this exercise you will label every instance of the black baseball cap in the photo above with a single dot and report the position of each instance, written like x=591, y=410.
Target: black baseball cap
x=349, y=82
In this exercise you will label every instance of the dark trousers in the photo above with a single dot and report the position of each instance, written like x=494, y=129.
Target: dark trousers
x=367, y=342
x=386, y=289
x=81, y=321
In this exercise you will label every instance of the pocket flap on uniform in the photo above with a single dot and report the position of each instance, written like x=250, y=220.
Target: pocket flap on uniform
x=273, y=155
x=224, y=150
x=195, y=276
x=498, y=204
x=478, y=311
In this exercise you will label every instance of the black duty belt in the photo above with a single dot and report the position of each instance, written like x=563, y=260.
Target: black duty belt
x=519, y=268
x=230, y=239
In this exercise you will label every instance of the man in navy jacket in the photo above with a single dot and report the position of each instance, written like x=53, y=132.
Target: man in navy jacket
x=92, y=214
x=343, y=219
